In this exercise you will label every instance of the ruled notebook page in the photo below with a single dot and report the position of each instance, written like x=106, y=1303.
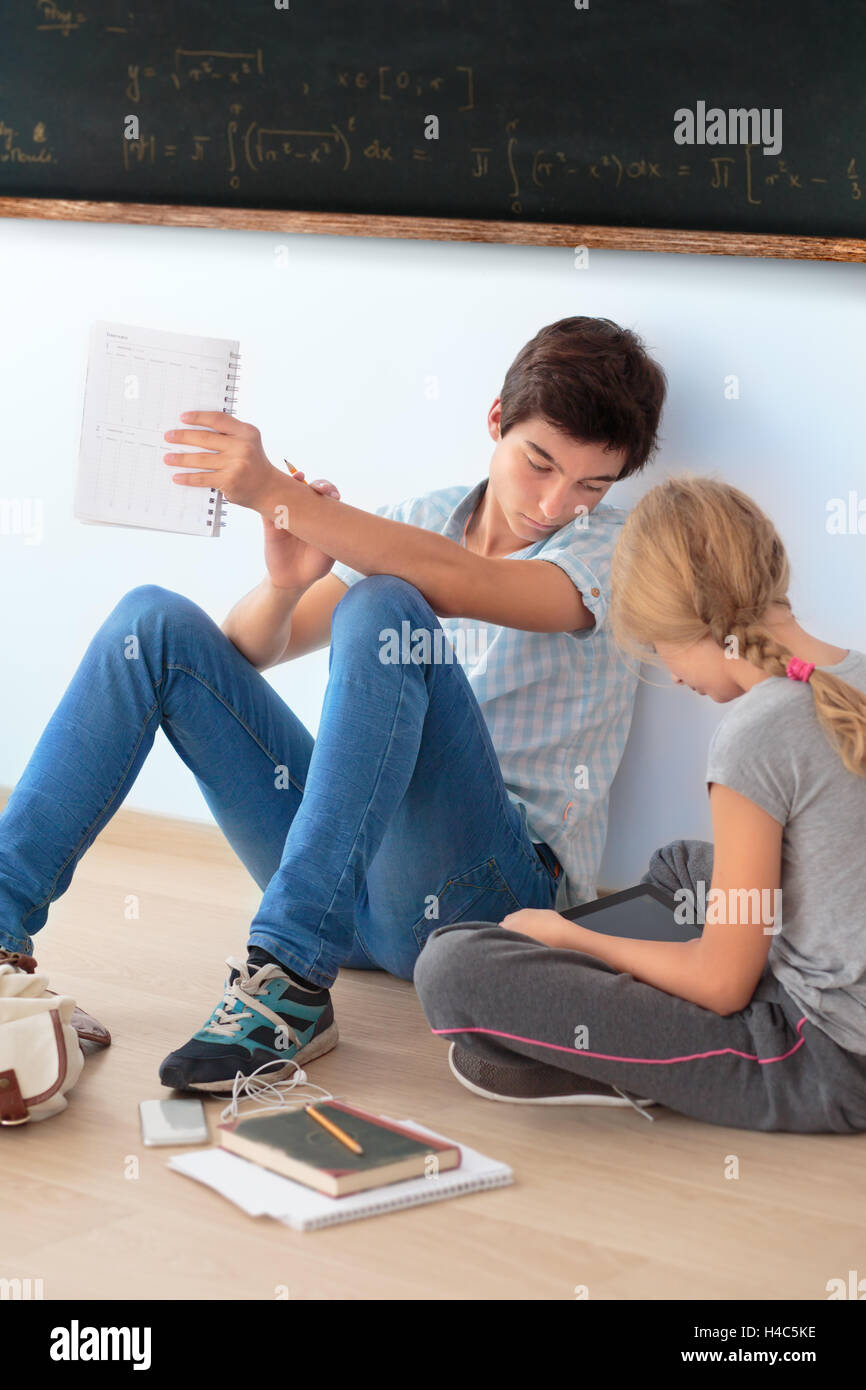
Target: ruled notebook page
x=139, y=380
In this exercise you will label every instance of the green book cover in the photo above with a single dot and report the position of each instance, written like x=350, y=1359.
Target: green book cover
x=298, y=1136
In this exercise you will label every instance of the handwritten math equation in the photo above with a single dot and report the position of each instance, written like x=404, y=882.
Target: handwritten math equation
x=240, y=148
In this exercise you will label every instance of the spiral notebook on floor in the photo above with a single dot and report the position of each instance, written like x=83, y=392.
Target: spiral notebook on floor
x=259, y=1192
x=139, y=380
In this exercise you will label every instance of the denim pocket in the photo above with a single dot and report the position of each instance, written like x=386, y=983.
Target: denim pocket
x=479, y=895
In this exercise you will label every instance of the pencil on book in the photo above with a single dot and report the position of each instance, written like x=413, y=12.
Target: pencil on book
x=335, y=1130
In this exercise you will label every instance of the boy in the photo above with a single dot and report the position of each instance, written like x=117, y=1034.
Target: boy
x=431, y=794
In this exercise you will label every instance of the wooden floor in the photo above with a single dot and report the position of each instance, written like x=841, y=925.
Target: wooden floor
x=602, y=1199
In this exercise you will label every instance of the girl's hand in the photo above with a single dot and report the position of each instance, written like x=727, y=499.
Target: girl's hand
x=237, y=465
x=545, y=925
x=291, y=563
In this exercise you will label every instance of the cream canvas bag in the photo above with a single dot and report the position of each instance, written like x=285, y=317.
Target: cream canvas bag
x=40, y=1055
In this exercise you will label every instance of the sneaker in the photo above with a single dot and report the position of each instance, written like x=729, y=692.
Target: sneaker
x=261, y=1009
x=536, y=1084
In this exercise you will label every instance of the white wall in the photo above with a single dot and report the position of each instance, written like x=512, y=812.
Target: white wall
x=338, y=344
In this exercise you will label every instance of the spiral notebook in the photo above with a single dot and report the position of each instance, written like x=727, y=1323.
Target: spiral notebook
x=139, y=380
x=259, y=1192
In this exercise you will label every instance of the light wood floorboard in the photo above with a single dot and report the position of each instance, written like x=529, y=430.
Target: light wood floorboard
x=632, y=1210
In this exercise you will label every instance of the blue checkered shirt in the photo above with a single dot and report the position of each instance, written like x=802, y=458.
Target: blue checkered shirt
x=558, y=705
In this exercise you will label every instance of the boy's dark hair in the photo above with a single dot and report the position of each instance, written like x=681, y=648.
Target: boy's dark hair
x=593, y=381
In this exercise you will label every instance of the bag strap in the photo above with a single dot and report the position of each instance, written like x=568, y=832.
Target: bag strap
x=13, y=1111
x=23, y=962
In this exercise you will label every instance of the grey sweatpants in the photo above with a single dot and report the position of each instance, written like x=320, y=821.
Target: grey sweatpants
x=504, y=996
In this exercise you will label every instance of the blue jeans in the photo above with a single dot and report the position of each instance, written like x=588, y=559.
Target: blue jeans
x=395, y=820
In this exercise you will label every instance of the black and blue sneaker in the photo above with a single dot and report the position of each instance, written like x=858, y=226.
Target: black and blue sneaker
x=264, y=1017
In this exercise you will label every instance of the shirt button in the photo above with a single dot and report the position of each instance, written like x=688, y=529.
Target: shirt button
x=595, y=592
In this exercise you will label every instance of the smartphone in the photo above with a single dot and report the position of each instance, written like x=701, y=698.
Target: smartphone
x=173, y=1122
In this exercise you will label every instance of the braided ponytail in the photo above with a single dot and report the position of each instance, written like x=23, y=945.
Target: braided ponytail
x=697, y=557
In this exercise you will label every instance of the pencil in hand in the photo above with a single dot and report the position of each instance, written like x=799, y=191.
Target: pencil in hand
x=292, y=469
x=321, y=485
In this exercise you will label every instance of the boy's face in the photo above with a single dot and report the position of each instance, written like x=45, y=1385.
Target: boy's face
x=542, y=479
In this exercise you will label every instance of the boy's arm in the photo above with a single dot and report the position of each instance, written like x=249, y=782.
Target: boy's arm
x=271, y=625
x=536, y=595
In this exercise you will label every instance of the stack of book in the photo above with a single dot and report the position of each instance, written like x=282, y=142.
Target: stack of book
x=328, y=1162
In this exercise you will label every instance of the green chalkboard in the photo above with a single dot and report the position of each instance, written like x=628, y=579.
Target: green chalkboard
x=532, y=110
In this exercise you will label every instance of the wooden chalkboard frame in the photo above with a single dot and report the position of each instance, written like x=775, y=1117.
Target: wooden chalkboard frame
x=609, y=238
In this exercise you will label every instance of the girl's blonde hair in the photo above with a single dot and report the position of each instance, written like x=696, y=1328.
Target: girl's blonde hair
x=697, y=557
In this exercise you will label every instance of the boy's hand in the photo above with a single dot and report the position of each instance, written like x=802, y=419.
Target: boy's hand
x=237, y=466
x=291, y=563
x=544, y=924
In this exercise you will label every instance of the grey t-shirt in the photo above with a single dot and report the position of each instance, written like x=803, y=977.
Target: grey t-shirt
x=770, y=748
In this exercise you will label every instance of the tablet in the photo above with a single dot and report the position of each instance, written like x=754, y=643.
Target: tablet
x=644, y=913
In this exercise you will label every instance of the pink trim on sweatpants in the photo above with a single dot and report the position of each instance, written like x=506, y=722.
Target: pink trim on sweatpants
x=647, y=1061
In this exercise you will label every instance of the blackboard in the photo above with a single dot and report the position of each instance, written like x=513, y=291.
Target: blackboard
x=547, y=112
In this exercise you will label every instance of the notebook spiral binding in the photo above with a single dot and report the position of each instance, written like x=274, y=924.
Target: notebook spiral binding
x=396, y=1202
x=217, y=521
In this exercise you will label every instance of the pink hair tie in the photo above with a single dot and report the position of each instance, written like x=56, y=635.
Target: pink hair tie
x=799, y=670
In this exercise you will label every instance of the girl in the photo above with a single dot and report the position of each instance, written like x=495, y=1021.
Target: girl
x=757, y=1024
